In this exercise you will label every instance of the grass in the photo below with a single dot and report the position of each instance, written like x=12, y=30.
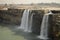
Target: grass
x=7, y=34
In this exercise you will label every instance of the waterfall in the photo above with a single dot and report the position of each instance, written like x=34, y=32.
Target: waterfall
x=44, y=27
x=24, y=21
x=30, y=23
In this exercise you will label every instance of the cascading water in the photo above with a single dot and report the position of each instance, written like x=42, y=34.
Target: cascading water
x=44, y=27
x=26, y=24
x=30, y=23
x=24, y=21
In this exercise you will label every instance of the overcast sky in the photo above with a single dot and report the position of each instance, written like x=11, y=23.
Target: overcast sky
x=27, y=1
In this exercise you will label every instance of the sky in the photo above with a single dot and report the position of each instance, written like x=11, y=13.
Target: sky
x=27, y=1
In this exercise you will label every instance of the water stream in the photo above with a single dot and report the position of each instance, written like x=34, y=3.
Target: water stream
x=26, y=22
x=44, y=27
x=30, y=23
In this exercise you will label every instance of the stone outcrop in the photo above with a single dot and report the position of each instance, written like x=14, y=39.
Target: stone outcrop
x=37, y=19
x=56, y=26
x=11, y=16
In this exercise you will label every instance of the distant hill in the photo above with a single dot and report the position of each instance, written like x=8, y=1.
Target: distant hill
x=50, y=4
x=41, y=4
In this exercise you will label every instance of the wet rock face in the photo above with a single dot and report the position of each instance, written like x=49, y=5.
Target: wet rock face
x=50, y=28
x=56, y=26
x=37, y=19
x=11, y=16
